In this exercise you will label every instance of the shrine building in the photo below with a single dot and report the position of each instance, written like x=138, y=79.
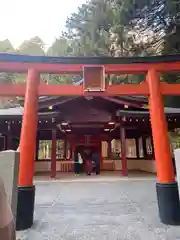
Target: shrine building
x=107, y=123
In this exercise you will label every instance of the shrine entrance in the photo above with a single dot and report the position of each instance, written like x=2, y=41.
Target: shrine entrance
x=95, y=70
x=87, y=148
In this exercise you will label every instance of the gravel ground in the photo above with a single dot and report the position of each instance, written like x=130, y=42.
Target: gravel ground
x=97, y=210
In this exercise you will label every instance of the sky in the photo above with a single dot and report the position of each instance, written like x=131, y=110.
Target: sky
x=23, y=19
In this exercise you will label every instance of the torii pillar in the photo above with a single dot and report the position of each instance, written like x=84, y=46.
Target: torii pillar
x=26, y=189
x=167, y=188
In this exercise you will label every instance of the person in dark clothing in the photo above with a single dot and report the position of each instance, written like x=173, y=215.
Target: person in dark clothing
x=88, y=166
x=80, y=163
x=88, y=161
x=96, y=160
x=76, y=163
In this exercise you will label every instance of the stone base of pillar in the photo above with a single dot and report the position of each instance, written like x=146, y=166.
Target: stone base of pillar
x=168, y=203
x=25, y=208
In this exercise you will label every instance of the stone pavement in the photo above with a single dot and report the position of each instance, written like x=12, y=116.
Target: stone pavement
x=102, y=210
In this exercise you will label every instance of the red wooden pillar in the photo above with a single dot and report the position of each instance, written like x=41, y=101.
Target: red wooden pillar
x=152, y=144
x=53, y=154
x=72, y=149
x=144, y=147
x=167, y=188
x=137, y=148
x=109, y=148
x=100, y=153
x=65, y=148
x=26, y=190
x=123, y=151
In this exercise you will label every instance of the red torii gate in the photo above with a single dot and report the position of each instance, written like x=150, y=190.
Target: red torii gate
x=167, y=190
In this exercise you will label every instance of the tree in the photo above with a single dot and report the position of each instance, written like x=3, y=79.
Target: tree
x=110, y=27
x=163, y=21
x=33, y=46
x=6, y=47
x=60, y=47
x=161, y=18
x=127, y=28
x=5, y=77
x=90, y=28
x=103, y=28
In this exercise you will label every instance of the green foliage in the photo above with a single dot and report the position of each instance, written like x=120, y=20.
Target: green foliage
x=7, y=77
x=6, y=47
x=106, y=28
x=57, y=79
x=127, y=28
x=60, y=47
x=90, y=28
x=34, y=47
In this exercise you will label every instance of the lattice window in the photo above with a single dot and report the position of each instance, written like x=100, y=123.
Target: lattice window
x=68, y=150
x=131, y=148
x=104, y=149
x=60, y=149
x=149, y=146
x=141, y=152
x=116, y=148
x=45, y=149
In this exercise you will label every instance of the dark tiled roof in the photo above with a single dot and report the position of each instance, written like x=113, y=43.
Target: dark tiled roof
x=5, y=57
x=18, y=111
x=12, y=111
x=167, y=110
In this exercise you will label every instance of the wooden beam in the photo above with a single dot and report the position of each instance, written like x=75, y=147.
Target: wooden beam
x=72, y=90
x=124, y=102
x=61, y=90
x=43, y=90
x=127, y=89
x=54, y=102
x=12, y=90
x=130, y=68
x=170, y=89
